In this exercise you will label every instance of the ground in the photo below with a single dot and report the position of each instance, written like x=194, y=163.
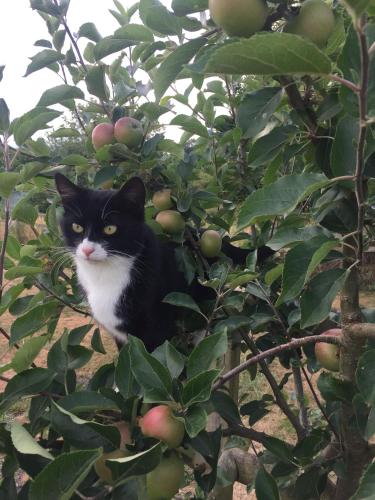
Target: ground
x=274, y=423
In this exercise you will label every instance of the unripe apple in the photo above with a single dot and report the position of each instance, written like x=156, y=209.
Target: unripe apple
x=328, y=355
x=102, y=135
x=171, y=221
x=128, y=131
x=160, y=423
x=162, y=200
x=165, y=480
x=210, y=243
x=239, y=17
x=315, y=21
x=102, y=470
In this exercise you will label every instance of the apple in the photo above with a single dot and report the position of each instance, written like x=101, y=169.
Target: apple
x=102, y=135
x=165, y=480
x=160, y=423
x=162, y=200
x=328, y=355
x=128, y=131
x=102, y=470
x=210, y=243
x=171, y=221
x=239, y=17
x=315, y=21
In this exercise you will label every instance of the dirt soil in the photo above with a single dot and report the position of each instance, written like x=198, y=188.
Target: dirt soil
x=274, y=423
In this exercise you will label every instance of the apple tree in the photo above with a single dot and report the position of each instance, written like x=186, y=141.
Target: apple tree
x=274, y=109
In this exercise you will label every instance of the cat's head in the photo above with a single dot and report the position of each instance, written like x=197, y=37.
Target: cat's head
x=98, y=225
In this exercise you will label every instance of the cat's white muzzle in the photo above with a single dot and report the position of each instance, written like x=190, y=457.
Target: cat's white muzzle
x=91, y=251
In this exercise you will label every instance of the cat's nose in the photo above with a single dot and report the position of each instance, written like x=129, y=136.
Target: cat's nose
x=88, y=250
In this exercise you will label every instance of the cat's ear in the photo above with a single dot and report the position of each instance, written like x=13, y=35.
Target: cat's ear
x=134, y=190
x=66, y=188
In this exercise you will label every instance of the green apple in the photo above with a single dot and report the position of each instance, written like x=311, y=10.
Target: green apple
x=162, y=200
x=210, y=243
x=102, y=135
x=328, y=355
x=165, y=480
x=128, y=131
x=315, y=22
x=239, y=17
x=102, y=470
x=171, y=221
x=160, y=423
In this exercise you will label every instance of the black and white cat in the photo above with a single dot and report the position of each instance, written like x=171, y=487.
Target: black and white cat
x=123, y=268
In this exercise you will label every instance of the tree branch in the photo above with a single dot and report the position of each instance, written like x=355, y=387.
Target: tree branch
x=293, y=344
x=239, y=430
x=41, y=286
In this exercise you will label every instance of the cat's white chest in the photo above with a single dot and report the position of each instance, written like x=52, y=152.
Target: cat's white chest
x=104, y=282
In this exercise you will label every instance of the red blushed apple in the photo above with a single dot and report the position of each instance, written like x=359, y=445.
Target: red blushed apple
x=160, y=423
x=165, y=480
x=102, y=135
x=171, y=221
x=128, y=131
x=328, y=355
x=102, y=470
x=162, y=200
x=239, y=17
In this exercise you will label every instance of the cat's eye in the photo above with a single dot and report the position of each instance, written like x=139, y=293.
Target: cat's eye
x=77, y=228
x=109, y=230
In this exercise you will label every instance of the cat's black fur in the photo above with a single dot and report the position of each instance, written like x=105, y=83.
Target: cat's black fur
x=140, y=309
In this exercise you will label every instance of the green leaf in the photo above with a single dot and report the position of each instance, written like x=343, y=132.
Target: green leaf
x=285, y=236
x=8, y=181
x=32, y=321
x=86, y=402
x=81, y=433
x=90, y=31
x=65, y=132
x=344, y=150
x=96, y=342
x=157, y=17
x=171, y=358
x=367, y=485
x=334, y=389
x=20, y=271
x=135, y=465
x=184, y=7
x=317, y=300
x=300, y=262
x=266, y=486
x=26, y=354
x=95, y=81
x=268, y=146
x=150, y=374
x=105, y=47
x=4, y=116
x=42, y=59
x=60, y=479
x=198, y=389
x=31, y=122
x=25, y=443
x=269, y=54
x=173, y=65
x=123, y=375
x=25, y=212
x=206, y=352
x=256, y=110
x=195, y=420
x=60, y=93
x=135, y=33
x=226, y=407
x=191, y=125
x=279, y=198
x=355, y=8
x=364, y=376
x=182, y=300
x=26, y=383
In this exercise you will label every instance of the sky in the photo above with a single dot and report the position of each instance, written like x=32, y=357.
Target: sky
x=20, y=27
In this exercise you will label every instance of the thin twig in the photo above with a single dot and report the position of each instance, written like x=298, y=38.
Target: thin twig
x=4, y=379
x=239, y=430
x=60, y=299
x=275, y=351
x=350, y=85
x=279, y=397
